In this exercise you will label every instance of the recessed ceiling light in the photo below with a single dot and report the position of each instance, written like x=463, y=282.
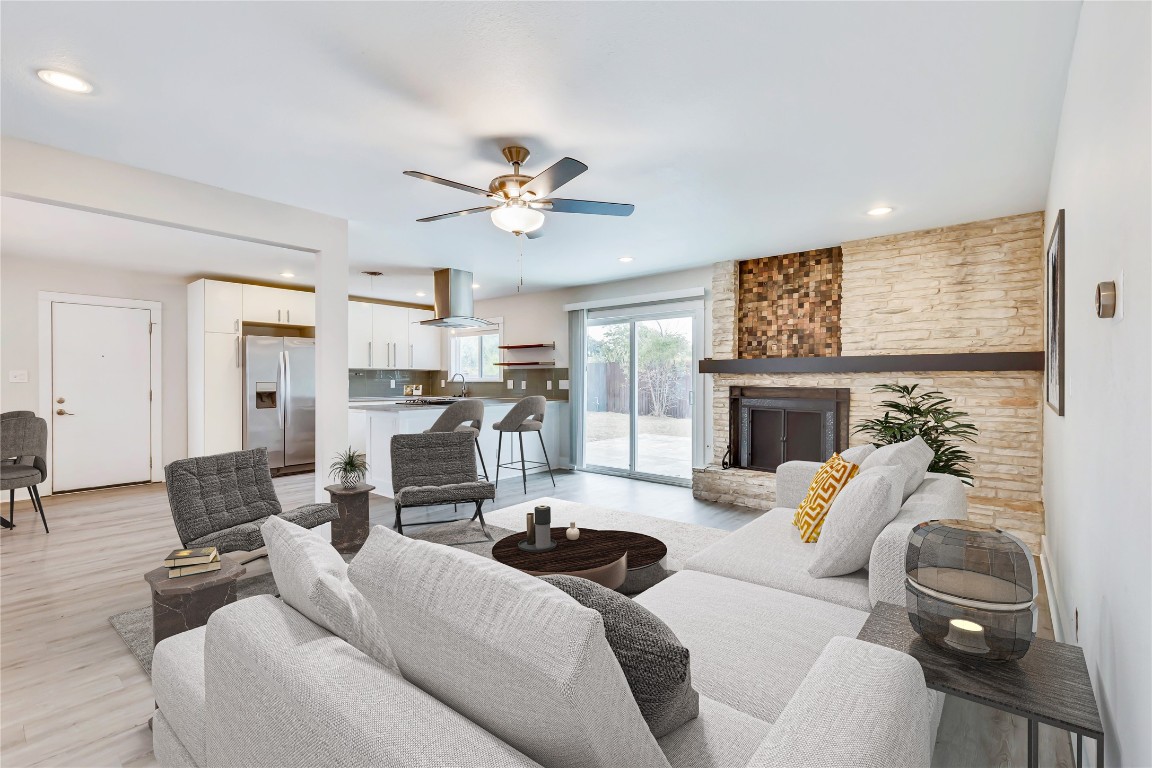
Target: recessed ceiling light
x=881, y=211
x=421, y=293
x=287, y=274
x=475, y=285
x=64, y=81
x=625, y=259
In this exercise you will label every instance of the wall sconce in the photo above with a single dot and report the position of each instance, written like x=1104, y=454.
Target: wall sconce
x=1106, y=299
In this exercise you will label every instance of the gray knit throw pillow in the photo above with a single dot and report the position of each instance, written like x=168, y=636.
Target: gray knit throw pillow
x=655, y=664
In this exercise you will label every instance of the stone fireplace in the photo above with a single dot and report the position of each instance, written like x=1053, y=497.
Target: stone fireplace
x=957, y=309
x=770, y=425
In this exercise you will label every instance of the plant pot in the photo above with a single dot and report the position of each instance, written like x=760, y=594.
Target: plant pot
x=350, y=481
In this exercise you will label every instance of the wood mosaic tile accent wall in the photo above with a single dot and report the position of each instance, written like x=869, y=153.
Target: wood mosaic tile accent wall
x=790, y=305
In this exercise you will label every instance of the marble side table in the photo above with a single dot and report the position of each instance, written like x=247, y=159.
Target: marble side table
x=186, y=603
x=350, y=531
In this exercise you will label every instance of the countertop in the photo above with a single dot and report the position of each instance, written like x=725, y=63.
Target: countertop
x=397, y=404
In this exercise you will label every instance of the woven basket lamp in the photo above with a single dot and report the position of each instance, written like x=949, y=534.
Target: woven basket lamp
x=971, y=589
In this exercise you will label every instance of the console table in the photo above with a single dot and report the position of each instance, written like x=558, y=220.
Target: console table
x=1049, y=685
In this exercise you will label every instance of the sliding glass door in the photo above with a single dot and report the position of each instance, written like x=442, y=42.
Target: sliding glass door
x=639, y=393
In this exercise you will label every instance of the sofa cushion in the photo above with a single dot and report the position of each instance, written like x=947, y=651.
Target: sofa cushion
x=829, y=481
x=654, y=662
x=751, y=646
x=721, y=737
x=511, y=653
x=768, y=551
x=857, y=453
x=178, y=687
x=313, y=578
x=859, y=705
x=913, y=456
x=858, y=514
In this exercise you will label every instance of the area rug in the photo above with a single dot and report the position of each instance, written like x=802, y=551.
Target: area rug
x=682, y=539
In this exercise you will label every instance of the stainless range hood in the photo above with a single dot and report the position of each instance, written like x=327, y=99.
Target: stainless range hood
x=453, y=294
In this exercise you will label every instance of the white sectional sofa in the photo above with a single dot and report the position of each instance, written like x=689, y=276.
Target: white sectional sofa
x=498, y=668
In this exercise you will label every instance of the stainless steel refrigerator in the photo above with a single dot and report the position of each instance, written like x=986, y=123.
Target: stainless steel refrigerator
x=280, y=399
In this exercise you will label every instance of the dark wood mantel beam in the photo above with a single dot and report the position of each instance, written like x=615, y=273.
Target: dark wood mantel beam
x=974, y=361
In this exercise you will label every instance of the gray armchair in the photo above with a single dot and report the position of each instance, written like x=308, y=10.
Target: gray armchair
x=464, y=416
x=24, y=441
x=437, y=468
x=221, y=501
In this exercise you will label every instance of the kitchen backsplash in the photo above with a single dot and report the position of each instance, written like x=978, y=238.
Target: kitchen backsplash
x=375, y=383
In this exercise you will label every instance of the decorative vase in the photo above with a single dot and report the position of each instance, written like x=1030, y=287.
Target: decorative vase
x=971, y=589
x=531, y=524
x=573, y=532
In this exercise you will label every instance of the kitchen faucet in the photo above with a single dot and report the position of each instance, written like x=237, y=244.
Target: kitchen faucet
x=463, y=384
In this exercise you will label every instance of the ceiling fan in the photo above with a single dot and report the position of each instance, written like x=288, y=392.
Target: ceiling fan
x=518, y=200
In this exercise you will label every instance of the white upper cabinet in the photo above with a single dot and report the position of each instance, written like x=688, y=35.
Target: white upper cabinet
x=278, y=306
x=423, y=342
x=389, y=336
x=360, y=335
x=223, y=306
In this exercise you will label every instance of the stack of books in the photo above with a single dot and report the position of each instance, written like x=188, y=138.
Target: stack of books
x=188, y=562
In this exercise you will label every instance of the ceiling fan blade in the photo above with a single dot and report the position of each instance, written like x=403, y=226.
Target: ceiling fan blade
x=534, y=234
x=448, y=183
x=560, y=205
x=554, y=177
x=465, y=212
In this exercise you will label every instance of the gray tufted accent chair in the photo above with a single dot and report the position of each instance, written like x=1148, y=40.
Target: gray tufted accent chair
x=437, y=468
x=463, y=416
x=221, y=501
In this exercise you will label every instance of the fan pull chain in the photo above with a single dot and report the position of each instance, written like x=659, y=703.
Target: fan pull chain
x=521, y=262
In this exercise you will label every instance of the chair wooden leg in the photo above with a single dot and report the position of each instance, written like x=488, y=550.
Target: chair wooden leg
x=34, y=492
x=480, y=453
x=399, y=525
x=499, y=447
x=547, y=463
x=523, y=471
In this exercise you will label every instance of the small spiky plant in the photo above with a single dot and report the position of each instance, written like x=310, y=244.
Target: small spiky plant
x=350, y=468
x=928, y=415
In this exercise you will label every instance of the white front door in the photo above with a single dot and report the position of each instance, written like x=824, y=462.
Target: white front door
x=101, y=396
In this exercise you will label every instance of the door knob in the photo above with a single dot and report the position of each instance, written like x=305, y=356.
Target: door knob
x=62, y=412
x=60, y=400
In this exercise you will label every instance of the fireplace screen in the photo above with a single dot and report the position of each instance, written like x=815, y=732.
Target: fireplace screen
x=772, y=427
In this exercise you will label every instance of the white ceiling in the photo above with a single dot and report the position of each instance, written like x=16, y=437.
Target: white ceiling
x=737, y=129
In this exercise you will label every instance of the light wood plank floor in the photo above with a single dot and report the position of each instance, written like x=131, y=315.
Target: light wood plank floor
x=72, y=695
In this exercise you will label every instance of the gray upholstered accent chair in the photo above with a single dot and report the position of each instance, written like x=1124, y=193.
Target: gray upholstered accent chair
x=433, y=468
x=526, y=416
x=24, y=441
x=221, y=501
x=16, y=415
x=463, y=416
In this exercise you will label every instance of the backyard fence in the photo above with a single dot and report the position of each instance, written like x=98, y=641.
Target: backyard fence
x=606, y=390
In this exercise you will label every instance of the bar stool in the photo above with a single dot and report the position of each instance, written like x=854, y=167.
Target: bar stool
x=464, y=416
x=526, y=416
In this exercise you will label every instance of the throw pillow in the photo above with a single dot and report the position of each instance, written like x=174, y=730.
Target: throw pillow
x=913, y=456
x=832, y=476
x=857, y=516
x=313, y=579
x=857, y=453
x=655, y=663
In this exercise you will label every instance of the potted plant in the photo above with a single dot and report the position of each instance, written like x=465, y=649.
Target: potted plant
x=929, y=415
x=350, y=468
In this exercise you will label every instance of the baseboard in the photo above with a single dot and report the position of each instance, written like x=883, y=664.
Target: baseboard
x=1052, y=590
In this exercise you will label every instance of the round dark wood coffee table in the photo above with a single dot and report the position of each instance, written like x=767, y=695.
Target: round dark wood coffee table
x=606, y=557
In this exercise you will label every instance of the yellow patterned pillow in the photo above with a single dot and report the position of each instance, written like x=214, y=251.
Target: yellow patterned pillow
x=831, y=478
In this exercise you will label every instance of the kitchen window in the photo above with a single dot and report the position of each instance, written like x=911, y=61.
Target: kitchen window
x=475, y=354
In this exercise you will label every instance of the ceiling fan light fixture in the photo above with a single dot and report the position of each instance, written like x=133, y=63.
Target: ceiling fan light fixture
x=517, y=218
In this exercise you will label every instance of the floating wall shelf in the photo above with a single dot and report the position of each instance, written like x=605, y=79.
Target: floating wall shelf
x=549, y=345
x=531, y=362
x=524, y=363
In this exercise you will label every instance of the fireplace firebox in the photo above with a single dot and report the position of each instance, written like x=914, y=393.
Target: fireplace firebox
x=771, y=425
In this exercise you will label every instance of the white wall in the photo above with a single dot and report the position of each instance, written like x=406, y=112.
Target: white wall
x=22, y=279
x=1096, y=457
x=532, y=318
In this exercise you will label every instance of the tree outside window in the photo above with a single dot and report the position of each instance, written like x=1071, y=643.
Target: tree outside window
x=475, y=355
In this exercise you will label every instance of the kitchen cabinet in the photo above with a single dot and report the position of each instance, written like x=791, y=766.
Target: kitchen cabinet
x=223, y=393
x=359, y=334
x=424, y=347
x=223, y=306
x=389, y=336
x=278, y=306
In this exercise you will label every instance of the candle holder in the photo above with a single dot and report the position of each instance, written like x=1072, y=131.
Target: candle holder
x=971, y=589
x=539, y=537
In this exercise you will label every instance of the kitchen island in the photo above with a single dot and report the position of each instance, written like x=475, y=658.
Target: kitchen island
x=372, y=423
